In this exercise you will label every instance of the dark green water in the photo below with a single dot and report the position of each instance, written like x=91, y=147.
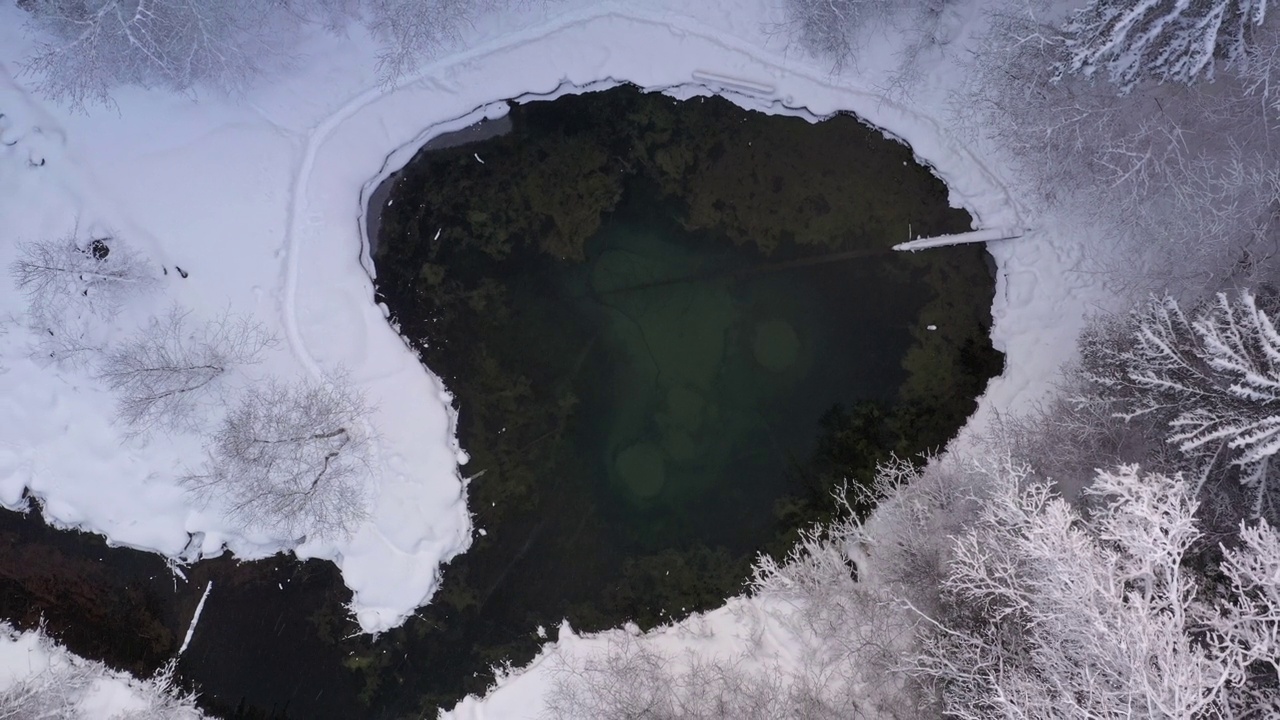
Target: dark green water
x=671, y=329
x=700, y=396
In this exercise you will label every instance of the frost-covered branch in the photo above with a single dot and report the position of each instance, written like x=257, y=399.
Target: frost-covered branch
x=1130, y=41
x=1050, y=615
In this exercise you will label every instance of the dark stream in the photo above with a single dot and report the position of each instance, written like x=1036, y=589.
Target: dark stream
x=671, y=330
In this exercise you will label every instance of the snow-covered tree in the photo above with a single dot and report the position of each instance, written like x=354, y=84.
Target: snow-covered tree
x=1178, y=181
x=1050, y=615
x=88, y=47
x=71, y=287
x=411, y=30
x=291, y=460
x=163, y=373
x=1131, y=41
x=831, y=29
x=1211, y=379
x=98, y=274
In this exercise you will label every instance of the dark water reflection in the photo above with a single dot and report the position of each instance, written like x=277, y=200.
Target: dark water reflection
x=255, y=649
x=705, y=371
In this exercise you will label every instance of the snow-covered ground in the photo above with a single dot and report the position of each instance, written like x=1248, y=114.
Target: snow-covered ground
x=260, y=199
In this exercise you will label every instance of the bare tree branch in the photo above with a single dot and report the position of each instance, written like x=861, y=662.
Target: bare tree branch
x=291, y=460
x=165, y=372
x=99, y=274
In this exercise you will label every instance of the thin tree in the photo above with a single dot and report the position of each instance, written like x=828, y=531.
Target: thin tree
x=166, y=371
x=291, y=460
x=71, y=285
x=411, y=30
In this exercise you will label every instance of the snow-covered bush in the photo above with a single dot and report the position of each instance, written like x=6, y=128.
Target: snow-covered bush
x=833, y=676
x=917, y=508
x=827, y=28
x=1049, y=615
x=291, y=460
x=163, y=373
x=830, y=29
x=633, y=680
x=1131, y=41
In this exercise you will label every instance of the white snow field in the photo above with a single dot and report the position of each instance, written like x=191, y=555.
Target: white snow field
x=260, y=198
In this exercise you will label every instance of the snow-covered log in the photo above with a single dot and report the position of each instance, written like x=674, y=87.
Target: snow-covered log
x=973, y=236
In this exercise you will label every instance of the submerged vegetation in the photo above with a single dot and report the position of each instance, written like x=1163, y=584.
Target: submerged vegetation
x=670, y=329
